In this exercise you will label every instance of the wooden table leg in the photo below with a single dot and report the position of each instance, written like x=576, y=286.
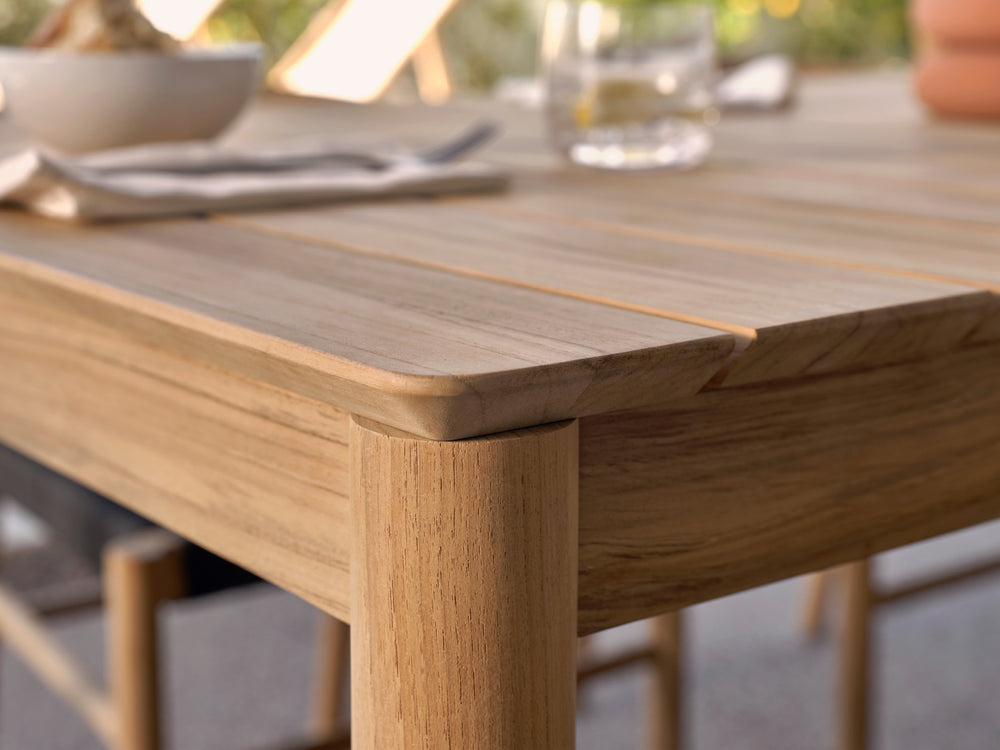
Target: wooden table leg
x=855, y=657
x=464, y=585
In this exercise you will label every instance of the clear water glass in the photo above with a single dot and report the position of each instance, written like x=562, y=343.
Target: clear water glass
x=630, y=81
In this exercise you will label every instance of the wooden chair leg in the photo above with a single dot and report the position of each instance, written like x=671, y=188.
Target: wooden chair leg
x=855, y=657
x=330, y=716
x=584, y=657
x=664, y=713
x=814, y=611
x=139, y=572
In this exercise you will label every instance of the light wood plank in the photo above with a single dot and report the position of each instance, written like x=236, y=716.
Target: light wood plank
x=849, y=183
x=705, y=217
x=738, y=487
x=464, y=590
x=797, y=318
x=434, y=353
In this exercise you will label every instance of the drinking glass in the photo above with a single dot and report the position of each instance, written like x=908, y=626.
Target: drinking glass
x=630, y=81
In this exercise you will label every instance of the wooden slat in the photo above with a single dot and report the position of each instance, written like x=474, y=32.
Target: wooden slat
x=802, y=318
x=255, y=473
x=972, y=573
x=703, y=217
x=838, y=180
x=738, y=487
x=856, y=191
x=437, y=354
x=636, y=655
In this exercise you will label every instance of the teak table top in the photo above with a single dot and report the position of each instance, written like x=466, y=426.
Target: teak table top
x=812, y=242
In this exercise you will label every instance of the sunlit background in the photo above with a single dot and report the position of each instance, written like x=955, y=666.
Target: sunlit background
x=485, y=40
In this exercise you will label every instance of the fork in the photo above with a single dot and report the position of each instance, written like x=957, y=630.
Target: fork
x=207, y=160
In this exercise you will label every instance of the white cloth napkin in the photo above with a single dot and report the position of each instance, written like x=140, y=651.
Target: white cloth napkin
x=173, y=179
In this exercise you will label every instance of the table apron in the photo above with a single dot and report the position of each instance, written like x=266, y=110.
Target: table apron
x=738, y=487
x=251, y=471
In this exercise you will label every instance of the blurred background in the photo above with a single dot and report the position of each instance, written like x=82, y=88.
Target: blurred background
x=486, y=40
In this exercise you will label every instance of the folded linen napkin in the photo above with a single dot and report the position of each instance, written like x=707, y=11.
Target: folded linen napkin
x=186, y=178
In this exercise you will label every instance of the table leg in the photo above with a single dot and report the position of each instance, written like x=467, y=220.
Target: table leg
x=464, y=585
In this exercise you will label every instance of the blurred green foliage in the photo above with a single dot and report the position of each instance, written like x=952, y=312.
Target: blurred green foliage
x=487, y=39
x=816, y=32
x=275, y=23
x=19, y=17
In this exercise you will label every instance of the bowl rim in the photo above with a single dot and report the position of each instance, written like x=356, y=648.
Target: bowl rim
x=225, y=51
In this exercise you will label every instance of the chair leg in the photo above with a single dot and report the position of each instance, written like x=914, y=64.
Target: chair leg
x=665, y=727
x=855, y=657
x=140, y=571
x=584, y=657
x=814, y=611
x=329, y=715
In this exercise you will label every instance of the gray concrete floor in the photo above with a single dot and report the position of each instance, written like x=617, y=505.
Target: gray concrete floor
x=239, y=670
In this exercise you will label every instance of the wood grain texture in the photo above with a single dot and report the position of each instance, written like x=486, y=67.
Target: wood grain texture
x=798, y=317
x=434, y=353
x=463, y=592
x=252, y=472
x=738, y=487
x=700, y=215
x=839, y=182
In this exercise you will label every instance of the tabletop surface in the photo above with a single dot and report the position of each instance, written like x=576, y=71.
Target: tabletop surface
x=849, y=232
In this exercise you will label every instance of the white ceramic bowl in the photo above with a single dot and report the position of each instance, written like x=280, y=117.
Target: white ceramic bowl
x=78, y=102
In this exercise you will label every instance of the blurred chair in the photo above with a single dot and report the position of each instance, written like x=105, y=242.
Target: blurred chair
x=663, y=652
x=143, y=566
x=354, y=49
x=351, y=50
x=861, y=596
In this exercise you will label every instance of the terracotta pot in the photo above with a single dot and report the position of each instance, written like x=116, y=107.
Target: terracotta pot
x=961, y=82
x=952, y=22
x=958, y=73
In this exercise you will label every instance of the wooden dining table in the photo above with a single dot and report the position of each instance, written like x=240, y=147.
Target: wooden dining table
x=478, y=427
